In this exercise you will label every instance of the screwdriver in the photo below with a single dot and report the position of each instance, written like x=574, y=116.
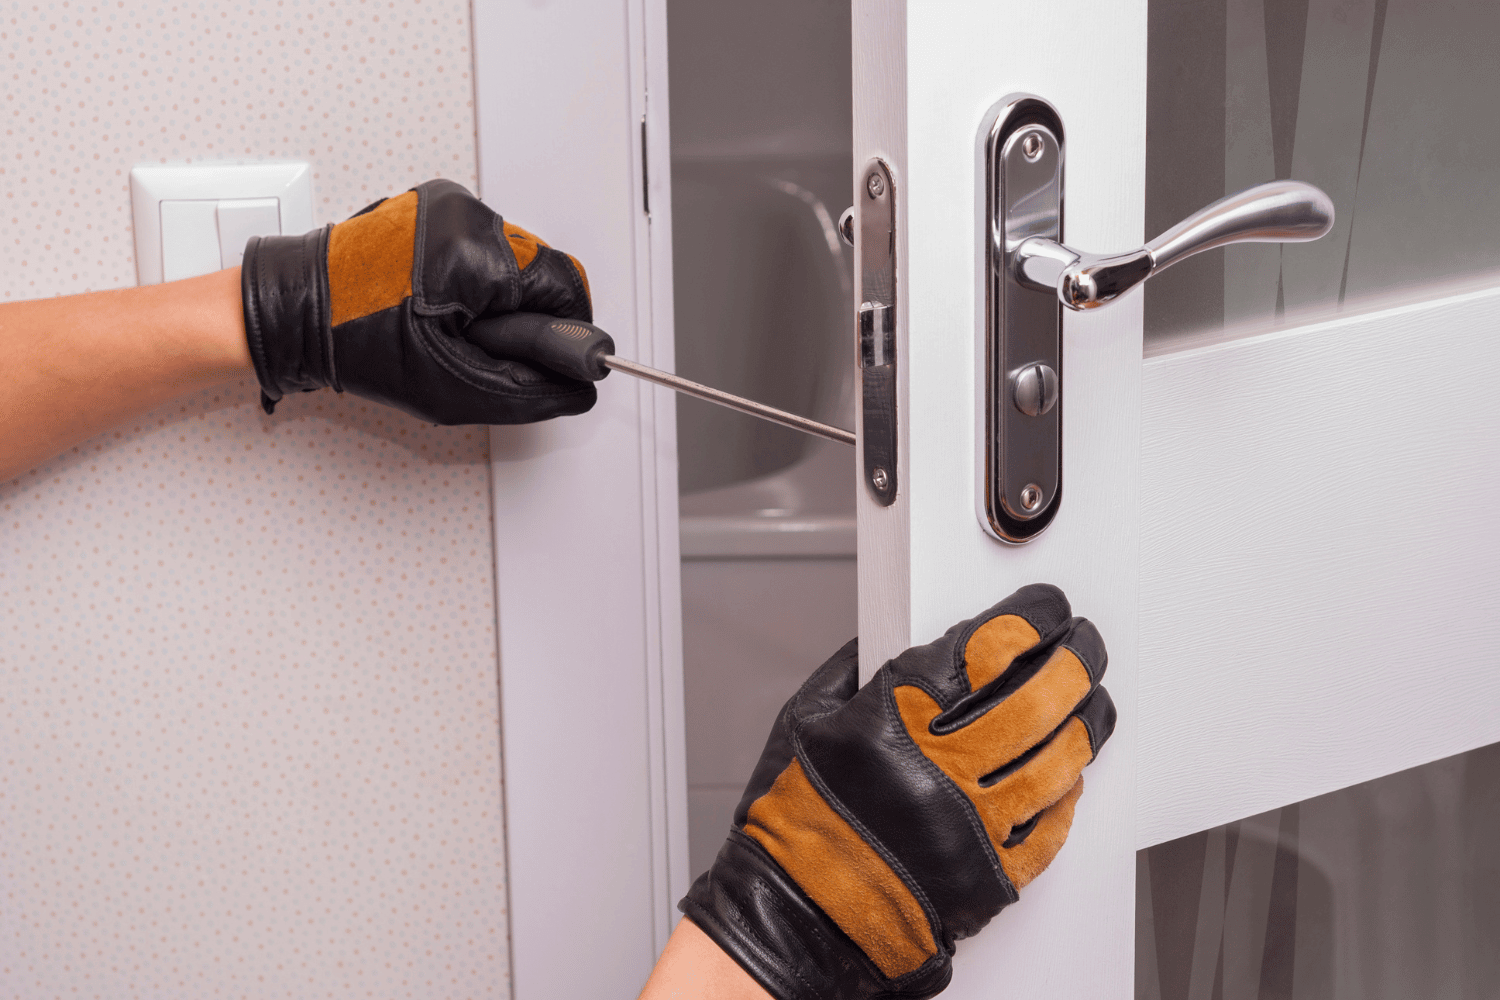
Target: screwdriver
x=582, y=351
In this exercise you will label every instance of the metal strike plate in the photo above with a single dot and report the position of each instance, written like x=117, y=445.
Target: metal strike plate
x=1020, y=362
x=875, y=207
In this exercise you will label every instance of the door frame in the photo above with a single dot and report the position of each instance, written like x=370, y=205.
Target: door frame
x=572, y=126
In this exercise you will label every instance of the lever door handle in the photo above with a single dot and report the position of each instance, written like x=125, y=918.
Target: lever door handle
x=1029, y=274
x=1278, y=212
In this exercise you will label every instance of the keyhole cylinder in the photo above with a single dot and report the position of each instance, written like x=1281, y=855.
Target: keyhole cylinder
x=1034, y=389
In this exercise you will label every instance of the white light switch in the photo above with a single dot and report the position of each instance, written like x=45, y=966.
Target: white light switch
x=241, y=219
x=194, y=219
x=189, y=239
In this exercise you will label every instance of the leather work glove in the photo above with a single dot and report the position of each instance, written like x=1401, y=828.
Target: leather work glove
x=884, y=823
x=378, y=305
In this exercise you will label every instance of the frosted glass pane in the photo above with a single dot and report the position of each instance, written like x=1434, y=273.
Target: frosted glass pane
x=1386, y=890
x=1388, y=105
x=762, y=133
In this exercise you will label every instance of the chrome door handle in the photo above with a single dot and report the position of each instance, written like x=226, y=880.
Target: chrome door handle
x=1278, y=212
x=1028, y=274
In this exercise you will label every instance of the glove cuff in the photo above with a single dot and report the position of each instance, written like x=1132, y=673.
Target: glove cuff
x=284, y=291
x=759, y=916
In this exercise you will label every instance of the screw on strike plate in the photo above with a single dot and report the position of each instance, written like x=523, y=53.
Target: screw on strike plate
x=1031, y=497
x=880, y=479
x=875, y=185
x=1031, y=146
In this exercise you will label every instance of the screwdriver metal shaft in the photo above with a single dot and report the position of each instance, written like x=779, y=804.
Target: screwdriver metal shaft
x=750, y=406
x=583, y=351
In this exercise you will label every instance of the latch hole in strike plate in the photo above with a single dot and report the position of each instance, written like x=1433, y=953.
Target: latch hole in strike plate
x=1019, y=438
x=875, y=208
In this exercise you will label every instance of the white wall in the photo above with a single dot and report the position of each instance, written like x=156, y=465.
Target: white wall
x=248, y=709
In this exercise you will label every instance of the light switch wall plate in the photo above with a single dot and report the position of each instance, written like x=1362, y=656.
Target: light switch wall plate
x=193, y=219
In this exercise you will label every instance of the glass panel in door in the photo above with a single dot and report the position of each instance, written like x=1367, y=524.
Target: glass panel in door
x=1387, y=105
x=1390, y=888
x=761, y=152
x=1387, y=890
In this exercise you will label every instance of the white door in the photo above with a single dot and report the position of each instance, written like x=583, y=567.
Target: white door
x=1277, y=465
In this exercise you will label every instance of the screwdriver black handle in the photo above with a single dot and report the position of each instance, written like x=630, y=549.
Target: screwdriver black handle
x=569, y=347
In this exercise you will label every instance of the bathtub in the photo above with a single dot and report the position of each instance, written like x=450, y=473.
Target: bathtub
x=763, y=309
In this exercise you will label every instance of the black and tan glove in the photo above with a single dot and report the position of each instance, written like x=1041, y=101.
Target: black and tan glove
x=884, y=823
x=378, y=305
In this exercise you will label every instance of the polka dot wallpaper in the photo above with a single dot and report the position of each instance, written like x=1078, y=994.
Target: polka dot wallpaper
x=377, y=94
x=248, y=707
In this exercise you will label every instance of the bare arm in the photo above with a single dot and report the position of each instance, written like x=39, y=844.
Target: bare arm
x=74, y=366
x=692, y=966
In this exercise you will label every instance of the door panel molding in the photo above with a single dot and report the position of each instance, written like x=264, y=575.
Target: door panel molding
x=1354, y=460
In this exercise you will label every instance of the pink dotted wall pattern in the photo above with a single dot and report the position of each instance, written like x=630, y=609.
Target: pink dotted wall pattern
x=248, y=707
x=248, y=710
x=377, y=95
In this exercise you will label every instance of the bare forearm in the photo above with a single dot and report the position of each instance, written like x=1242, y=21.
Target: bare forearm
x=692, y=966
x=74, y=366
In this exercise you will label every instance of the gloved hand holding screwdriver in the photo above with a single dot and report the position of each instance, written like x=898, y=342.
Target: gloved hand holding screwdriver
x=882, y=824
x=379, y=305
